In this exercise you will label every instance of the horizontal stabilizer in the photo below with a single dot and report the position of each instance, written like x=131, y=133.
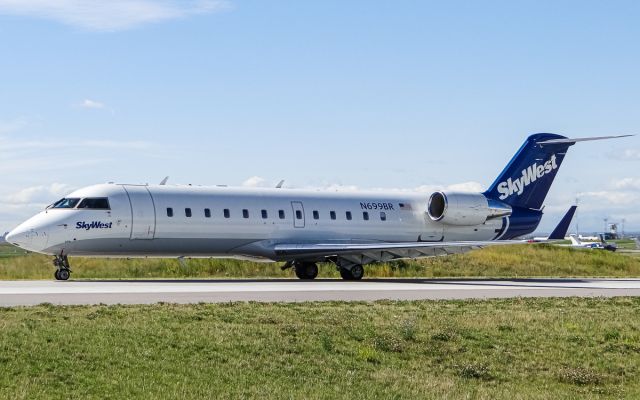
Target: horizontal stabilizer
x=561, y=230
x=575, y=140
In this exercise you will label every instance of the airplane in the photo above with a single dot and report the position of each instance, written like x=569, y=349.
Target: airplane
x=560, y=230
x=298, y=227
x=601, y=245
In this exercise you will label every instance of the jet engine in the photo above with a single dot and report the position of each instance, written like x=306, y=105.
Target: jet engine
x=464, y=209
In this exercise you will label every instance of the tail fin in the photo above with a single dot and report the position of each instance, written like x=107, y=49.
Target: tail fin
x=575, y=241
x=563, y=226
x=526, y=180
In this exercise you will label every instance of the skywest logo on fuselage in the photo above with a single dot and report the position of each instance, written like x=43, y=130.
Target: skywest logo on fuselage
x=94, y=225
x=529, y=175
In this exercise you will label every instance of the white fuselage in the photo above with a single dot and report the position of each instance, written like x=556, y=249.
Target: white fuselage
x=190, y=221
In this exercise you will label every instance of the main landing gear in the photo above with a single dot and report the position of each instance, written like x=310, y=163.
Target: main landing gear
x=309, y=270
x=355, y=273
x=63, y=271
x=305, y=270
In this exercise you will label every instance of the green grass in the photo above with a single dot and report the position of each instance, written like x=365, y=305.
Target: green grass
x=499, y=261
x=492, y=349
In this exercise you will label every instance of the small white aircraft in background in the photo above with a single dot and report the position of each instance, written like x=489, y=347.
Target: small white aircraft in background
x=601, y=245
x=298, y=227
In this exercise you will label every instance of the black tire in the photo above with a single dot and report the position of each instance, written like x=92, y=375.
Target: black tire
x=357, y=271
x=354, y=274
x=306, y=271
x=64, y=274
x=56, y=275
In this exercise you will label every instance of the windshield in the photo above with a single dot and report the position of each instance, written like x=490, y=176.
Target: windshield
x=100, y=203
x=65, y=203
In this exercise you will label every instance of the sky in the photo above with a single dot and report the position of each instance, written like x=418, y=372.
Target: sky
x=405, y=95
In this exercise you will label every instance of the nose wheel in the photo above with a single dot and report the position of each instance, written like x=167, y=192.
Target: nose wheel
x=63, y=271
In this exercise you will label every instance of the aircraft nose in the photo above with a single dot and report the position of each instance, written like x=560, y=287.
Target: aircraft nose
x=28, y=239
x=19, y=238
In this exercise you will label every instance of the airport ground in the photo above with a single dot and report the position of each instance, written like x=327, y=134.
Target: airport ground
x=491, y=349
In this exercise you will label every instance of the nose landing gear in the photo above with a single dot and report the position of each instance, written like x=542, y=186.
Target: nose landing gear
x=63, y=271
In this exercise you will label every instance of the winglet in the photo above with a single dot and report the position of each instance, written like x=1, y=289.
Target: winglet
x=575, y=140
x=164, y=181
x=279, y=185
x=562, y=228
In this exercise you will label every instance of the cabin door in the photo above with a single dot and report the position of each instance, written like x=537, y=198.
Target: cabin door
x=143, y=212
x=298, y=214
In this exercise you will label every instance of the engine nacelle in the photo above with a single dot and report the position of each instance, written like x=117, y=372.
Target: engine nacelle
x=464, y=209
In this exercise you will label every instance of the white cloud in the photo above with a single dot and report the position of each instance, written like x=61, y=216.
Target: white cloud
x=87, y=103
x=38, y=194
x=12, y=126
x=631, y=154
x=254, y=181
x=627, y=184
x=109, y=15
x=613, y=198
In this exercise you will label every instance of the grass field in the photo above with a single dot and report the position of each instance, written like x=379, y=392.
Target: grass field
x=499, y=261
x=495, y=349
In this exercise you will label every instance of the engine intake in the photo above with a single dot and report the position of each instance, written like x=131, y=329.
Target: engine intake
x=464, y=209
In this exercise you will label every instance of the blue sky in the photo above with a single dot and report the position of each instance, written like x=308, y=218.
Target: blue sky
x=409, y=94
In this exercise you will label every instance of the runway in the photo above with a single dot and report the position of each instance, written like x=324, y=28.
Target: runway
x=15, y=293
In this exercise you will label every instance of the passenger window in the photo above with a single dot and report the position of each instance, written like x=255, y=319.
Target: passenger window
x=298, y=214
x=281, y=214
x=187, y=212
x=264, y=214
x=227, y=214
x=245, y=213
x=332, y=214
x=100, y=203
x=316, y=215
x=207, y=213
x=365, y=216
x=348, y=215
x=383, y=216
x=169, y=212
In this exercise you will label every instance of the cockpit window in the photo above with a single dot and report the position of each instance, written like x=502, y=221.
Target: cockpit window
x=65, y=203
x=93, y=203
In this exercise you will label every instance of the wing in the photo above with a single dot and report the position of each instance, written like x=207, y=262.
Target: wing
x=365, y=253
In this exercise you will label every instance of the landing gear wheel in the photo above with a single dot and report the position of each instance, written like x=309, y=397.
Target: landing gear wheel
x=306, y=270
x=63, y=274
x=354, y=274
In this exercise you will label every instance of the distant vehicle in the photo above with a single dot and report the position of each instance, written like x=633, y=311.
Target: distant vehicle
x=601, y=245
x=298, y=227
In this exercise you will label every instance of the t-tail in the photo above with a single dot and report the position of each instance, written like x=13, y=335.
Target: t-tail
x=525, y=181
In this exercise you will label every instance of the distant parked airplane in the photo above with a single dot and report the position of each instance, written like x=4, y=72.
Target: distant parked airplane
x=299, y=227
x=601, y=245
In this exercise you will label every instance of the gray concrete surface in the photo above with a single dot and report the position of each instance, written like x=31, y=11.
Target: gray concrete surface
x=14, y=293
